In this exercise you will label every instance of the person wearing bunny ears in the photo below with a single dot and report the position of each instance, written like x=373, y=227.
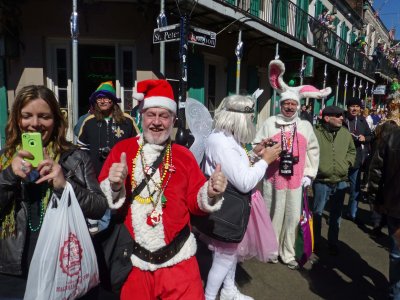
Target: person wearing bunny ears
x=155, y=185
x=298, y=163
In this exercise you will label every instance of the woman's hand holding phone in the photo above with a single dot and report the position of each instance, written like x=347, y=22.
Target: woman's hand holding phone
x=50, y=171
x=20, y=164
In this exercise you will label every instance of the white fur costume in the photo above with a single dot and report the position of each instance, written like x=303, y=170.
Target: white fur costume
x=283, y=194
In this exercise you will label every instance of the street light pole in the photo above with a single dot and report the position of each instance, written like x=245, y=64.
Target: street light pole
x=182, y=135
x=324, y=85
x=274, y=93
x=74, y=35
x=162, y=44
x=345, y=90
x=239, y=54
x=337, y=87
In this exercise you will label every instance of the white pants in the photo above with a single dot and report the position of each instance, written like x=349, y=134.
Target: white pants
x=285, y=209
x=223, y=270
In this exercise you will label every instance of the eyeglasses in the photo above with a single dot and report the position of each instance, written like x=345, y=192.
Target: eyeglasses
x=103, y=100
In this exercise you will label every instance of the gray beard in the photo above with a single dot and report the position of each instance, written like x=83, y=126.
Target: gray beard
x=157, y=141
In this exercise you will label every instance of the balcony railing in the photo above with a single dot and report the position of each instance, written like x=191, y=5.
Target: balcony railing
x=287, y=17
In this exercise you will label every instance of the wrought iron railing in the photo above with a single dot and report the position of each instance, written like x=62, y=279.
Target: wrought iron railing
x=287, y=17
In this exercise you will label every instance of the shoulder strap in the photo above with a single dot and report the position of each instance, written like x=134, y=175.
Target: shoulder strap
x=154, y=166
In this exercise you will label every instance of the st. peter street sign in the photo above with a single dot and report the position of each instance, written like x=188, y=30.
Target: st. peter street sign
x=196, y=35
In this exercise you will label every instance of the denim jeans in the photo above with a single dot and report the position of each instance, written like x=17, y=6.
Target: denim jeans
x=322, y=193
x=394, y=259
x=355, y=182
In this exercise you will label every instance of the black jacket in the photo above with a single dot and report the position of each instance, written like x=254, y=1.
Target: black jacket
x=100, y=136
x=79, y=172
x=358, y=126
x=384, y=174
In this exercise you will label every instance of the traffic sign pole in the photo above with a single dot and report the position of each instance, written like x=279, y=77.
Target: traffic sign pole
x=182, y=134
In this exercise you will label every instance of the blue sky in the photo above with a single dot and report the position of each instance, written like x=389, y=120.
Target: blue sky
x=389, y=12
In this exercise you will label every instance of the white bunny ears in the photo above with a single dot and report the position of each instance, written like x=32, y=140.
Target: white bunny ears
x=276, y=71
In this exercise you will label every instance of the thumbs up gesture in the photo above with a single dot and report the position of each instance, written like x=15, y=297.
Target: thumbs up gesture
x=217, y=183
x=118, y=173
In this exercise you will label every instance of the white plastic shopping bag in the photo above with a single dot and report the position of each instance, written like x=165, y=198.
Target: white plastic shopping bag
x=64, y=264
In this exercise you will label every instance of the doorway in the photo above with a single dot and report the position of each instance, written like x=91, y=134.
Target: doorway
x=96, y=64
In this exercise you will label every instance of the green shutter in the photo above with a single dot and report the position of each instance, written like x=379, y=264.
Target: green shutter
x=196, y=78
x=318, y=8
x=353, y=37
x=317, y=106
x=309, y=70
x=330, y=101
x=280, y=14
x=255, y=7
x=301, y=19
x=343, y=34
x=231, y=1
x=332, y=40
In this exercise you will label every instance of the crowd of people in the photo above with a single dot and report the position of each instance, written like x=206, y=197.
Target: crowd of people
x=160, y=200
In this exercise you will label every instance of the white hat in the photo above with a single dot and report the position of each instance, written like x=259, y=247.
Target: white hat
x=289, y=95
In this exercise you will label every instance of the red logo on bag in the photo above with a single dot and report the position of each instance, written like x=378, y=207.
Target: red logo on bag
x=71, y=256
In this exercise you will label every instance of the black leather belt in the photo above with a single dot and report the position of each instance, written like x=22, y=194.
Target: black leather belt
x=165, y=253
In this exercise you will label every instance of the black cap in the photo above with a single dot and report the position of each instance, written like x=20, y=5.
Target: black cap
x=354, y=101
x=332, y=111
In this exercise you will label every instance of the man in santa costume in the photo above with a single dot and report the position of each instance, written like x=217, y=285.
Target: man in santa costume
x=298, y=163
x=159, y=184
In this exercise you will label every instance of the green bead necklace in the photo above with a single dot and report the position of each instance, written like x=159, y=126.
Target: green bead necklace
x=43, y=204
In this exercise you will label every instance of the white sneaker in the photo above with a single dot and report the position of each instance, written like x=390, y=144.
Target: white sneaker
x=233, y=294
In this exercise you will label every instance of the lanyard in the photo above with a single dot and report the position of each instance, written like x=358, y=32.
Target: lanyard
x=287, y=144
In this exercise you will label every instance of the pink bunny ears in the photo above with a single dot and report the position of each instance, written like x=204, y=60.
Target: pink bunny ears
x=276, y=71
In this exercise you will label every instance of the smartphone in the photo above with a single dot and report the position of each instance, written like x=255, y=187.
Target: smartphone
x=32, y=142
x=271, y=143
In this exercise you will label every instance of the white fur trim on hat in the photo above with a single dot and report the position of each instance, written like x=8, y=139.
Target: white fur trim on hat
x=289, y=95
x=138, y=96
x=159, y=101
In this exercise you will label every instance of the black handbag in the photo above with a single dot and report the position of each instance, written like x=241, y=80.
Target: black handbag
x=117, y=248
x=228, y=224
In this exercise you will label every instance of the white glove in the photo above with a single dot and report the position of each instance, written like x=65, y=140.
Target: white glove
x=306, y=181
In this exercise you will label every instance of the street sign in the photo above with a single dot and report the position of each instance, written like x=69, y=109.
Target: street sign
x=196, y=35
x=166, y=34
x=202, y=37
x=380, y=90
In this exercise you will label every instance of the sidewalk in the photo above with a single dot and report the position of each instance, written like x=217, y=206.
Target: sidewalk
x=360, y=271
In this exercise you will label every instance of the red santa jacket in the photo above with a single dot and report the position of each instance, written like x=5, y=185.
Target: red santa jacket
x=186, y=192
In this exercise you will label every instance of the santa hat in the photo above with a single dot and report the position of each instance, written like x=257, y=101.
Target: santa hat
x=155, y=93
x=105, y=89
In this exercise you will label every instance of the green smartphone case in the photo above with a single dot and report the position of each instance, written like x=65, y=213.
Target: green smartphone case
x=32, y=142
